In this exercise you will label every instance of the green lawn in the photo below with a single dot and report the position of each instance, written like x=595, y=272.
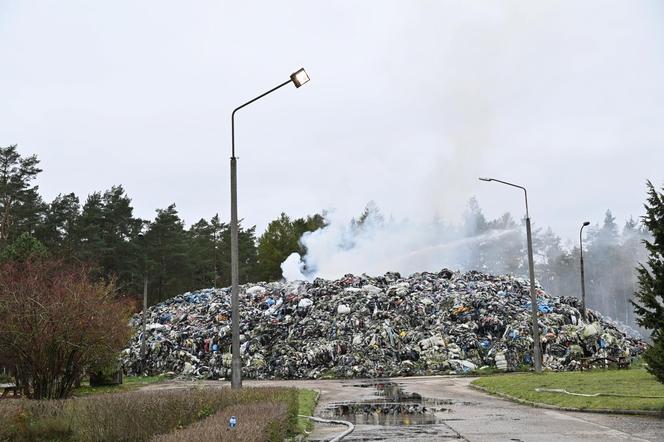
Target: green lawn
x=306, y=400
x=637, y=383
x=128, y=383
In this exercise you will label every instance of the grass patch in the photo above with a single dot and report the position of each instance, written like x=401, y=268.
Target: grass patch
x=129, y=383
x=142, y=415
x=634, y=382
x=306, y=400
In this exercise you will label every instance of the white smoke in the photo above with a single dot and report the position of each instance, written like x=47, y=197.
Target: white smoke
x=375, y=246
x=292, y=268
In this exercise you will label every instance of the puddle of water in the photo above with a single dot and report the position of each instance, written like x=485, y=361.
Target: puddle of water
x=393, y=407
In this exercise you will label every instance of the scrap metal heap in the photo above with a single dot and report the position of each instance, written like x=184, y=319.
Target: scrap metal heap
x=362, y=326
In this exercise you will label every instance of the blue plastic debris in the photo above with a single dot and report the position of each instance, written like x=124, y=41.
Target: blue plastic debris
x=542, y=307
x=545, y=308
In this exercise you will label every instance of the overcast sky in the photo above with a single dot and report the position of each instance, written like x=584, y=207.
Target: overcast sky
x=409, y=102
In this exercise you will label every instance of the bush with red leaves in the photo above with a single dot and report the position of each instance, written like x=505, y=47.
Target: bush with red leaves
x=56, y=323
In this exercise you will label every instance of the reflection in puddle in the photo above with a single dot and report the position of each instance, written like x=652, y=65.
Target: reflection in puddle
x=394, y=407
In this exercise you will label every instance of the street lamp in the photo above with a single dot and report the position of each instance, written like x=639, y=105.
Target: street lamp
x=298, y=78
x=537, y=349
x=583, y=282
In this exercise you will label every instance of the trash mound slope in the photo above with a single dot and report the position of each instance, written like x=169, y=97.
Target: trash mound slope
x=361, y=326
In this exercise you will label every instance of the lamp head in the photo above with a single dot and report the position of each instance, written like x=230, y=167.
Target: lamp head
x=299, y=78
x=485, y=179
x=586, y=223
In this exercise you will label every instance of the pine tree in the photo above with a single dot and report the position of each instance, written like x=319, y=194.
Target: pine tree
x=90, y=229
x=20, y=204
x=107, y=229
x=277, y=242
x=604, y=275
x=205, y=255
x=59, y=231
x=169, y=270
x=650, y=298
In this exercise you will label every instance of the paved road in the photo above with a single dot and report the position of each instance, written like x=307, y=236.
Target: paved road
x=474, y=416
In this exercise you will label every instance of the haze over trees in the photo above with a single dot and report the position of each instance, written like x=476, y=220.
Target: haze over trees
x=102, y=230
x=611, y=255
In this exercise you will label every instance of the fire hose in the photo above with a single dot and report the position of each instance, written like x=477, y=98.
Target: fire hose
x=561, y=390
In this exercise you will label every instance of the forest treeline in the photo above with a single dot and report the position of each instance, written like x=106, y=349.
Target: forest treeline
x=102, y=230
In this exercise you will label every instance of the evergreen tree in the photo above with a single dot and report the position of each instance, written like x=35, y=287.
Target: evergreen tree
x=20, y=204
x=59, y=231
x=505, y=252
x=604, y=276
x=275, y=245
x=23, y=248
x=370, y=217
x=120, y=227
x=248, y=265
x=474, y=221
x=169, y=270
x=219, y=265
x=282, y=237
x=650, y=297
x=107, y=227
x=206, y=258
x=91, y=223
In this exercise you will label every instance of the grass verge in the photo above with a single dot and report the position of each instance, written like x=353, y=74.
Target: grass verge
x=306, y=400
x=636, y=387
x=140, y=415
x=129, y=383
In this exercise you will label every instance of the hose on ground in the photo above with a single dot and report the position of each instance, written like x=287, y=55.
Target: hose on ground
x=561, y=390
x=348, y=430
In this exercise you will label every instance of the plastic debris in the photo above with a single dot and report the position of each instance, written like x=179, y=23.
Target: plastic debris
x=361, y=326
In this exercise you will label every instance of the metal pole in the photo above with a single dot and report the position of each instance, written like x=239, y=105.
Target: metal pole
x=236, y=364
x=537, y=348
x=583, y=279
x=537, y=345
x=236, y=361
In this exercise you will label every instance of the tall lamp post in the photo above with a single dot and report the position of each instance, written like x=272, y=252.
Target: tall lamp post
x=537, y=349
x=583, y=281
x=298, y=79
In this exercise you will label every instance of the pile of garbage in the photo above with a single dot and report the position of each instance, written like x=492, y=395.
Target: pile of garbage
x=362, y=326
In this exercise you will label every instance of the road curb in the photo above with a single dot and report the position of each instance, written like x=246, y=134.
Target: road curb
x=555, y=407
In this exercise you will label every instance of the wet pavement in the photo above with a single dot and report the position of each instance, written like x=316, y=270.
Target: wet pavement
x=446, y=408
